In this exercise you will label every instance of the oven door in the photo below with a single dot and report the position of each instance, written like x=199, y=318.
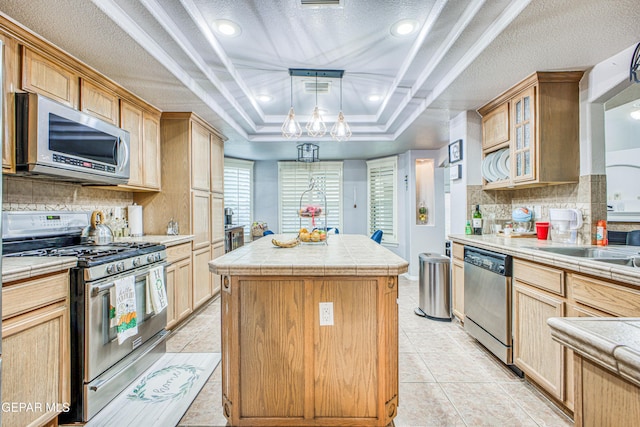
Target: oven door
x=102, y=348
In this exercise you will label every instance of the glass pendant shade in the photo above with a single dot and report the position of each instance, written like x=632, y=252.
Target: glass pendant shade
x=341, y=130
x=291, y=128
x=316, y=127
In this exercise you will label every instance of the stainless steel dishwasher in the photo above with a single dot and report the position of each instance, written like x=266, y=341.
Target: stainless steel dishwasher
x=487, y=300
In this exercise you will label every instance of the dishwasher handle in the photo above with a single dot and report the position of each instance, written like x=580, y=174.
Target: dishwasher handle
x=492, y=261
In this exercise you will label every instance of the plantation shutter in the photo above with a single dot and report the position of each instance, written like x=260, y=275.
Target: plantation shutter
x=381, y=196
x=238, y=191
x=294, y=180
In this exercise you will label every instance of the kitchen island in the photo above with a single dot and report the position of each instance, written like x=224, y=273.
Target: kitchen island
x=310, y=333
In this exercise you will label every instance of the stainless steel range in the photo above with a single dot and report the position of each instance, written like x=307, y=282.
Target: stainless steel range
x=100, y=367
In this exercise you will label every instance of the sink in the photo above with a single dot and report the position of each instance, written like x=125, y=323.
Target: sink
x=586, y=252
x=629, y=262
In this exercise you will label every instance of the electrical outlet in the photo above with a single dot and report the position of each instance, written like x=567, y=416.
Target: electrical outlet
x=326, y=314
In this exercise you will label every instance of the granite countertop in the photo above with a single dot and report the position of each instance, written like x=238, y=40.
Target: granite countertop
x=613, y=343
x=163, y=239
x=527, y=248
x=343, y=255
x=19, y=268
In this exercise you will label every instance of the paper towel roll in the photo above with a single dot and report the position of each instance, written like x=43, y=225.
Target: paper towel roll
x=134, y=213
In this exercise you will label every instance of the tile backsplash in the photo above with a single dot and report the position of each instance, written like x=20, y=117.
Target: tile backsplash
x=20, y=194
x=588, y=195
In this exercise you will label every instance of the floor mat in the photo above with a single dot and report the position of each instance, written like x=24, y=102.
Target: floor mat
x=162, y=394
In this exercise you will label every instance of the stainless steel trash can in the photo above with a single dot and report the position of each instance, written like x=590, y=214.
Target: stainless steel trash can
x=435, y=287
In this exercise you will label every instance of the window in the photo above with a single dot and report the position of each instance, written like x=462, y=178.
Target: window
x=294, y=179
x=381, y=197
x=238, y=191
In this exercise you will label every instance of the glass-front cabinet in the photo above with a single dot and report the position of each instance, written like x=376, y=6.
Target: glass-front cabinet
x=531, y=132
x=524, y=139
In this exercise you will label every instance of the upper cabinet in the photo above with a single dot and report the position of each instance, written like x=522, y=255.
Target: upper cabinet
x=530, y=133
x=144, y=146
x=217, y=164
x=31, y=64
x=48, y=78
x=99, y=102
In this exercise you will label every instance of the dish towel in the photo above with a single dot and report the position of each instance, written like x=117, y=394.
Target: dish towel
x=156, y=293
x=122, y=310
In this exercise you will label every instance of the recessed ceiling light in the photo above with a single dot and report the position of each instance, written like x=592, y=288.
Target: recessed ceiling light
x=374, y=98
x=635, y=115
x=226, y=27
x=404, y=27
x=264, y=98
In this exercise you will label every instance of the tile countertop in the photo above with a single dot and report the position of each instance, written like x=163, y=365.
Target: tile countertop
x=343, y=255
x=613, y=343
x=18, y=268
x=527, y=248
x=163, y=239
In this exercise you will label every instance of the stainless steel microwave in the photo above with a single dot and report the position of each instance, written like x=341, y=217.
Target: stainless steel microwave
x=53, y=140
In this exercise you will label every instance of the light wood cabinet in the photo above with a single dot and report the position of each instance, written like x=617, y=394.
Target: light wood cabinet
x=47, y=77
x=10, y=81
x=496, y=127
x=217, y=250
x=179, y=284
x=144, y=145
x=35, y=347
x=99, y=102
x=603, y=398
x=542, y=116
x=540, y=357
x=281, y=367
x=457, y=280
x=185, y=153
x=201, y=277
x=200, y=157
x=217, y=165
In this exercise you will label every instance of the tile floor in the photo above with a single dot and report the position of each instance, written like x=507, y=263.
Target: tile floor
x=446, y=377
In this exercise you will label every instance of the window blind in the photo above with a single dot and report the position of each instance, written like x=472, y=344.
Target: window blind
x=381, y=197
x=294, y=180
x=238, y=191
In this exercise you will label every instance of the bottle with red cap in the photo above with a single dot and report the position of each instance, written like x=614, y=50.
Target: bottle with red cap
x=601, y=233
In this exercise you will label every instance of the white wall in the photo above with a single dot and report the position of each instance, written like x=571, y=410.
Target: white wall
x=466, y=126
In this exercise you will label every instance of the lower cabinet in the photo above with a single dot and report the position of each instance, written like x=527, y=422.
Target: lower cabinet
x=35, y=349
x=201, y=276
x=457, y=288
x=540, y=357
x=217, y=250
x=179, y=284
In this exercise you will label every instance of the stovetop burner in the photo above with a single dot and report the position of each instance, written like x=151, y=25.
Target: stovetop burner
x=90, y=255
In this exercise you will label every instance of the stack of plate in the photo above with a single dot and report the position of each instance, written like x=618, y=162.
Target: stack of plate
x=496, y=166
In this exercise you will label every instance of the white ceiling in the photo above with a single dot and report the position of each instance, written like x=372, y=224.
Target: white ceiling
x=464, y=53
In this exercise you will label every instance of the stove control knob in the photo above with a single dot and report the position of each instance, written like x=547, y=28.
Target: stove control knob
x=150, y=258
x=158, y=256
x=111, y=269
x=120, y=266
x=136, y=262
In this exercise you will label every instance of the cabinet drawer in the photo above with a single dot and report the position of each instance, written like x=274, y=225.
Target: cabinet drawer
x=539, y=276
x=604, y=296
x=457, y=250
x=23, y=296
x=178, y=252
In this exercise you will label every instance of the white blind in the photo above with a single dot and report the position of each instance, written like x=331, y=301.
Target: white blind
x=294, y=180
x=238, y=191
x=381, y=197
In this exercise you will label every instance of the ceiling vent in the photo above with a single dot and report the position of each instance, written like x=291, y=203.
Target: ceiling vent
x=322, y=87
x=317, y=4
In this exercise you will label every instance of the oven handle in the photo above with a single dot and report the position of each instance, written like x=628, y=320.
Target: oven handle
x=97, y=290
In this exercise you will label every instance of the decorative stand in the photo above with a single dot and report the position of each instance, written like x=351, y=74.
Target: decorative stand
x=316, y=210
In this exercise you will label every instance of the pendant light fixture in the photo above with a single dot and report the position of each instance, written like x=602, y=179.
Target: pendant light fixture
x=316, y=127
x=291, y=128
x=340, y=130
x=308, y=153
